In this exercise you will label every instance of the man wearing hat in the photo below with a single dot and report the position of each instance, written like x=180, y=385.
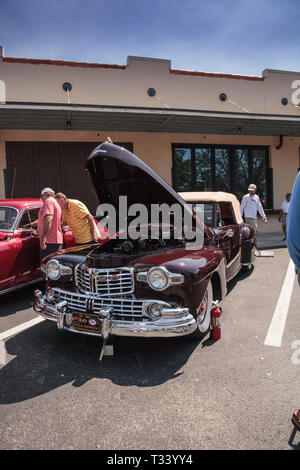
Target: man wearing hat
x=49, y=224
x=284, y=208
x=250, y=205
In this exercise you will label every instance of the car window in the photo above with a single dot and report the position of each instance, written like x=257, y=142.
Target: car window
x=206, y=209
x=25, y=221
x=33, y=214
x=226, y=213
x=8, y=217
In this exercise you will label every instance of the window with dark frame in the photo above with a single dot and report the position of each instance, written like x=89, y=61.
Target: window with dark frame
x=222, y=168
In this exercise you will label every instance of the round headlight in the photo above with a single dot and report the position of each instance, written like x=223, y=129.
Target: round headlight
x=157, y=278
x=154, y=311
x=53, y=270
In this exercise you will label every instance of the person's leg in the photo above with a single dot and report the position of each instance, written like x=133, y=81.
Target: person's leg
x=253, y=223
x=283, y=221
x=50, y=248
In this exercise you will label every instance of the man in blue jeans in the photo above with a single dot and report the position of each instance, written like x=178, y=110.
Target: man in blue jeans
x=293, y=244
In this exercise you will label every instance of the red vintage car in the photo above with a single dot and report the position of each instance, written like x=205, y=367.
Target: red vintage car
x=19, y=243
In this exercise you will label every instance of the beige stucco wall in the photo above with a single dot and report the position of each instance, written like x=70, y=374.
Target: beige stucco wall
x=155, y=149
x=27, y=82
x=127, y=86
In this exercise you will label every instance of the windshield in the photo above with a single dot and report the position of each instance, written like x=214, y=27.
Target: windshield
x=8, y=217
x=208, y=216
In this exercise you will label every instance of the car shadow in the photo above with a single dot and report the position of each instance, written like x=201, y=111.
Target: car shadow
x=45, y=360
x=18, y=300
x=239, y=277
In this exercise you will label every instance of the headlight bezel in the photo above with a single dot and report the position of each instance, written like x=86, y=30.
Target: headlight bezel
x=164, y=274
x=172, y=279
x=62, y=270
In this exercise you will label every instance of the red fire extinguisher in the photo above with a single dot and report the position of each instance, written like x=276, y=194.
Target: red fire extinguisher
x=216, y=313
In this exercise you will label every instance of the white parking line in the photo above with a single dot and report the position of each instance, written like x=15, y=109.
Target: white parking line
x=276, y=329
x=12, y=332
x=17, y=329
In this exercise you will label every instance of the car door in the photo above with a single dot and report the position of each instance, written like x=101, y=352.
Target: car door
x=28, y=247
x=8, y=268
x=8, y=248
x=230, y=238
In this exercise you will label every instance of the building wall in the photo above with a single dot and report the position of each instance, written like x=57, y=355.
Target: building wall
x=155, y=150
x=99, y=84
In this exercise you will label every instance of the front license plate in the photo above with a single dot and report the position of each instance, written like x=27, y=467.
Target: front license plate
x=86, y=322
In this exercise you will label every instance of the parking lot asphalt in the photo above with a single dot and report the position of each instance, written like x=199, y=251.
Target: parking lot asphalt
x=236, y=393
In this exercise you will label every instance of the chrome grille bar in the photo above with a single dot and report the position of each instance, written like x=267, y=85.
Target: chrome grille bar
x=104, y=281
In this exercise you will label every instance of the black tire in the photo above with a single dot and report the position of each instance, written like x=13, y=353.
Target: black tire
x=203, y=319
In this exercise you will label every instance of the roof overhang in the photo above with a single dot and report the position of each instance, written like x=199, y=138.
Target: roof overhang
x=41, y=116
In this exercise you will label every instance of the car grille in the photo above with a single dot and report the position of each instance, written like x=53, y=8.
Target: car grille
x=123, y=309
x=104, y=281
x=75, y=302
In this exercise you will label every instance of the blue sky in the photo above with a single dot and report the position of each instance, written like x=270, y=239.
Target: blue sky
x=229, y=36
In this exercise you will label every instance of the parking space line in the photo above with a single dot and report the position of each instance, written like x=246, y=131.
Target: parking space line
x=17, y=329
x=276, y=328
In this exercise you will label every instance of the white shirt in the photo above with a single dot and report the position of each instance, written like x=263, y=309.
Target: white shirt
x=250, y=205
x=285, y=206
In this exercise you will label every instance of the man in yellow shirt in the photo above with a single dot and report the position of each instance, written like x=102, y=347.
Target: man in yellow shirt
x=77, y=216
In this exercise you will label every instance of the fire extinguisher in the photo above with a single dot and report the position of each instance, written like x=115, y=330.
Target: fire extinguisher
x=216, y=313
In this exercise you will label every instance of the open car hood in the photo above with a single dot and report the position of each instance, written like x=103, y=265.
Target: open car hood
x=117, y=172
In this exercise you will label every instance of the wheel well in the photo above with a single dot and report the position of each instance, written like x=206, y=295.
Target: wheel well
x=216, y=285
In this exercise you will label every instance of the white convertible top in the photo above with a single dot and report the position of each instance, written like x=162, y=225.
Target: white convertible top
x=215, y=196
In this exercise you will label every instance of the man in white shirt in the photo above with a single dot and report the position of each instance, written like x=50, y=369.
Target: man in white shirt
x=250, y=205
x=284, y=208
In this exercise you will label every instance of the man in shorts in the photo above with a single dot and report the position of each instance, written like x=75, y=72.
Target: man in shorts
x=250, y=206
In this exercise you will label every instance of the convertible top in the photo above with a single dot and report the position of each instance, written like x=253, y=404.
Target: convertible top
x=215, y=196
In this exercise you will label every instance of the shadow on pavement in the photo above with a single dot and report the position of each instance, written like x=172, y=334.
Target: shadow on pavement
x=45, y=360
x=239, y=277
x=18, y=300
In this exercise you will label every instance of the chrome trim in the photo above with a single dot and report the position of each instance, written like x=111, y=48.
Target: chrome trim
x=90, y=280
x=21, y=212
x=63, y=269
x=173, y=321
x=173, y=278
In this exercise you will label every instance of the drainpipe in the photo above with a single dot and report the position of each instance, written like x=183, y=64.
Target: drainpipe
x=278, y=147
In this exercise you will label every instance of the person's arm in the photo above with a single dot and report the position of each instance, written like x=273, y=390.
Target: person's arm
x=47, y=226
x=261, y=210
x=243, y=203
x=91, y=222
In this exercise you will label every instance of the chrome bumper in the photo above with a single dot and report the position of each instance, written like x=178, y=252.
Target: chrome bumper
x=173, y=321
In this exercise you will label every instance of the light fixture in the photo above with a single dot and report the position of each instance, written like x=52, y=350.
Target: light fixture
x=67, y=86
x=151, y=92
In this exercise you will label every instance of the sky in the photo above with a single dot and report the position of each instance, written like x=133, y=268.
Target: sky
x=227, y=36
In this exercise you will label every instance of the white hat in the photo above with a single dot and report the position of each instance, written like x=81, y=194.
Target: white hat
x=47, y=190
x=252, y=187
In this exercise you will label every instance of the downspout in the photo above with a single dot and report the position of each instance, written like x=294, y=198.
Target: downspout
x=278, y=147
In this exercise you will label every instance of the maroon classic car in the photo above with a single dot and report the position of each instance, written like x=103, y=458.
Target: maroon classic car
x=146, y=287
x=19, y=244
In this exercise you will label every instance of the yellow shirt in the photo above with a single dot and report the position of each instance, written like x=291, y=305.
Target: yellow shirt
x=75, y=217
